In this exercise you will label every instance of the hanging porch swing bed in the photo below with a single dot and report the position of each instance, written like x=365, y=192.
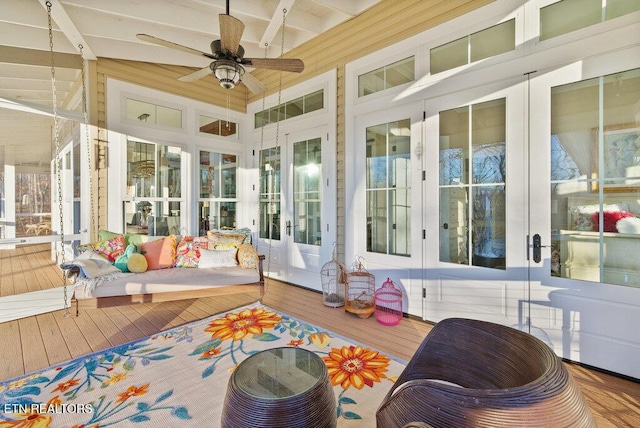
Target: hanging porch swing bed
x=164, y=269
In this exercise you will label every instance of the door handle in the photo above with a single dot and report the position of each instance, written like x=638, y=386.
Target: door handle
x=288, y=226
x=537, y=248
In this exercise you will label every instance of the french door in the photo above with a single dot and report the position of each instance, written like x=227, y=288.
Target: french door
x=531, y=224
x=475, y=201
x=297, y=230
x=585, y=163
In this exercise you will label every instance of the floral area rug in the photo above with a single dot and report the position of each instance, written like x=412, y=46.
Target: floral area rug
x=179, y=377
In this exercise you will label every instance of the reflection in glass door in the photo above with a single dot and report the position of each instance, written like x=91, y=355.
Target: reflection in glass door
x=307, y=192
x=595, y=180
x=388, y=188
x=473, y=185
x=478, y=257
x=270, y=207
x=294, y=234
x=584, y=276
x=218, y=184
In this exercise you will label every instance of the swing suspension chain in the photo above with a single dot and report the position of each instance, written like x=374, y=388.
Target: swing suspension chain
x=267, y=191
x=277, y=142
x=85, y=111
x=270, y=192
x=58, y=160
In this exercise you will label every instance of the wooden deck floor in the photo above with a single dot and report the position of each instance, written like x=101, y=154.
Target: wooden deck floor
x=40, y=341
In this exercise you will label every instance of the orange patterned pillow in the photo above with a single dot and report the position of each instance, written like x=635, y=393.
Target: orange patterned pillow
x=161, y=253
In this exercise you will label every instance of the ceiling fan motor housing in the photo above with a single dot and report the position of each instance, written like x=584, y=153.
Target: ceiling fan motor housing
x=216, y=50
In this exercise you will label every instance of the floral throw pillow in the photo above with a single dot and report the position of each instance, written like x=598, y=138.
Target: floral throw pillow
x=224, y=241
x=188, y=251
x=111, y=248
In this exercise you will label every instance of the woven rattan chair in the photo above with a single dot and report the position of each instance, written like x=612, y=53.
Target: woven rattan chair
x=469, y=373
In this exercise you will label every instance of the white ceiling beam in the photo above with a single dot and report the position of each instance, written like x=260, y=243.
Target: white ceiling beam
x=60, y=16
x=276, y=22
x=10, y=54
x=29, y=107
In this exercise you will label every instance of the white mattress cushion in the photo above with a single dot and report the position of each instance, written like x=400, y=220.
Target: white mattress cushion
x=166, y=280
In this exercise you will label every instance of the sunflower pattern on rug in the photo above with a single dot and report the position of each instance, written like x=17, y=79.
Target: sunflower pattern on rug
x=179, y=377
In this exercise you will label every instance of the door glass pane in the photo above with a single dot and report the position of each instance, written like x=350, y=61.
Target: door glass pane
x=270, y=193
x=486, y=143
x=154, y=218
x=33, y=203
x=454, y=233
x=307, y=179
x=595, y=192
x=218, y=187
x=388, y=188
x=154, y=182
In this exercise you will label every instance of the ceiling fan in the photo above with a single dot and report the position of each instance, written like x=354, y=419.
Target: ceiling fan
x=228, y=64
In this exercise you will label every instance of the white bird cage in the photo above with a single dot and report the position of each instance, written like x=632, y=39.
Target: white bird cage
x=333, y=276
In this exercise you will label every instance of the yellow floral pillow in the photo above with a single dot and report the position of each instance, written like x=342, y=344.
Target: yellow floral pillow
x=224, y=241
x=248, y=257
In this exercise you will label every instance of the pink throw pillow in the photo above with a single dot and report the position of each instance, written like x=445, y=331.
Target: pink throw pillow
x=610, y=218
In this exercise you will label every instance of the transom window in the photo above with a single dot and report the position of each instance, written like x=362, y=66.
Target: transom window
x=483, y=44
x=215, y=126
x=287, y=110
x=152, y=113
x=386, y=77
x=570, y=15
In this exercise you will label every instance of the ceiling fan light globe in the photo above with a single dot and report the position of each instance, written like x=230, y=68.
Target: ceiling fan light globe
x=228, y=73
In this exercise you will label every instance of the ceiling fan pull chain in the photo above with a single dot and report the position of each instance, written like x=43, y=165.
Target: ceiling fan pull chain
x=228, y=109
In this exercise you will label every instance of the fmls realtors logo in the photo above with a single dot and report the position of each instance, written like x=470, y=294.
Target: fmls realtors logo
x=47, y=408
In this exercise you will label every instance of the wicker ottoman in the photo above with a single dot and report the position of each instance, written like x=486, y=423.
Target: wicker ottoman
x=280, y=387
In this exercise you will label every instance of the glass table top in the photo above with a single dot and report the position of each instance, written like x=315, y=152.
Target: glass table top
x=279, y=373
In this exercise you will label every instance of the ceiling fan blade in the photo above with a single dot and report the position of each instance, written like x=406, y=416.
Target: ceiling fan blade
x=168, y=44
x=196, y=75
x=284, y=64
x=253, y=84
x=231, y=30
